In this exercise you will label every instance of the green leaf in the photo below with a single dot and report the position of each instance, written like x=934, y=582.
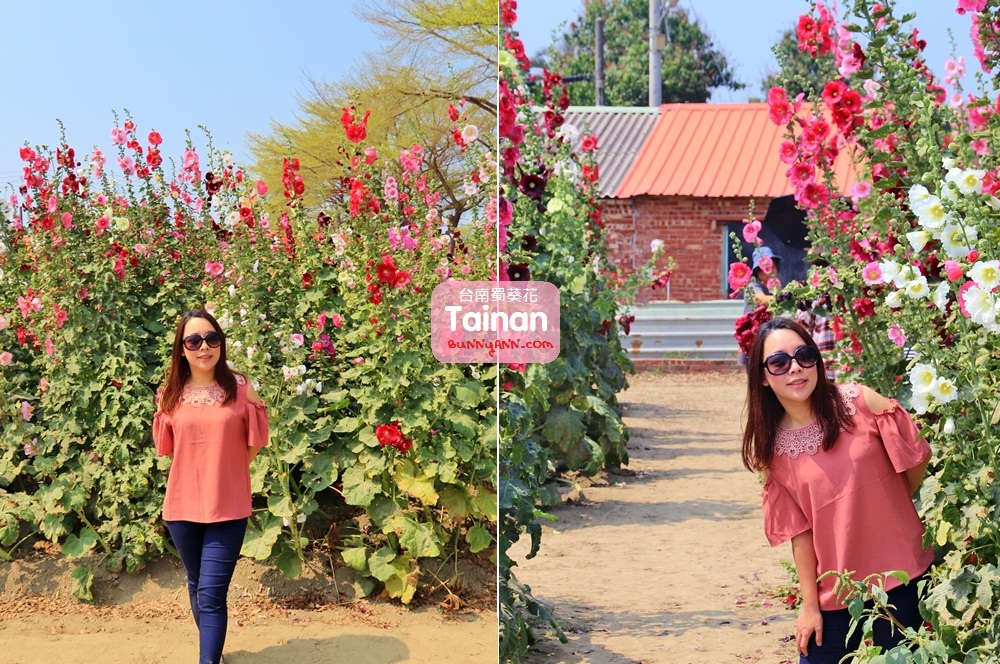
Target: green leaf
x=74, y=546
x=478, y=538
x=411, y=482
x=83, y=579
x=347, y=425
x=380, y=564
x=258, y=542
x=455, y=501
x=356, y=558
x=289, y=562
x=469, y=393
x=562, y=426
x=417, y=538
x=280, y=506
x=358, y=488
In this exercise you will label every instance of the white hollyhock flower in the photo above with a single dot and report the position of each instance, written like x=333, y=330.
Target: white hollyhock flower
x=920, y=402
x=932, y=214
x=958, y=240
x=949, y=426
x=655, y=245
x=981, y=305
x=941, y=296
x=917, y=289
x=889, y=270
x=894, y=300
x=918, y=196
x=986, y=274
x=967, y=181
x=918, y=239
x=943, y=390
x=922, y=377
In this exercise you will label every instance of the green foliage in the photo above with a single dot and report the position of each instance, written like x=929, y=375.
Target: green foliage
x=326, y=309
x=798, y=71
x=691, y=64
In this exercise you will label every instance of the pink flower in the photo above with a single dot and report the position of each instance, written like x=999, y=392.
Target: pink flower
x=155, y=138
x=750, y=231
x=788, y=152
x=897, y=336
x=6, y=358
x=297, y=340
x=739, y=275
x=872, y=274
x=261, y=187
x=118, y=136
x=29, y=448
x=970, y=6
x=190, y=160
x=961, y=297
x=860, y=190
x=214, y=268
x=773, y=284
x=102, y=224
x=50, y=348
x=26, y=411
x=67, y=219
x=337, y=320
x=953, y=270
x=390, y=189
x=371, y=155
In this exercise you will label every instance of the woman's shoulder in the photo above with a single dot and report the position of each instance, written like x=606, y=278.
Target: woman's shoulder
x=875, y=402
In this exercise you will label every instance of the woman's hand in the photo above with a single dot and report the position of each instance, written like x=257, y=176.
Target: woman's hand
x=809, y=622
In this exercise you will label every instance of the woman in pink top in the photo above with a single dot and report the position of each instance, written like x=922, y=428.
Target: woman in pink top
x=212, y=424
x=841, y=463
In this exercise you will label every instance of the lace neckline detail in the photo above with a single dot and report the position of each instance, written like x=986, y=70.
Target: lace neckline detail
x=203, y=395
x=809, y=438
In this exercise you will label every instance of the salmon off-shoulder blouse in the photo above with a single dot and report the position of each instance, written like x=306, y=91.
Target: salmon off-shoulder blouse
x=209, y=478
x=853, y=497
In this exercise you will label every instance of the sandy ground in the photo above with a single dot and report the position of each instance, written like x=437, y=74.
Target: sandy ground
x=145, y=619
x=666, y=562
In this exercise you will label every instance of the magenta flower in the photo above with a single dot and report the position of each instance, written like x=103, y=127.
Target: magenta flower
x=976, y=6
x=739, y=275
x=261, y=187
x=214, y=268
x=751, y=230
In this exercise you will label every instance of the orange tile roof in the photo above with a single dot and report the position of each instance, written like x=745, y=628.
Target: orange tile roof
x=715, y=150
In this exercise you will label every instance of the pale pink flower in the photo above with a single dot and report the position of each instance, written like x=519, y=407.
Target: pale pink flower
x=29, y=448
x=390, y=189
x=67, y=219
x=53, y=204
x=214, y=268
x=872, y=273
x=26, y=411
x=897, y=335
x=337, y=320
x=118, y=136
x=773, y=284
x=190, y=160
x=860, y=190
x=956, y=101
x=3, y=322
x=751, y=230
x=6, y=358
x=470, y=133
x=50, y=348
x=297, y=340
x=43, y=385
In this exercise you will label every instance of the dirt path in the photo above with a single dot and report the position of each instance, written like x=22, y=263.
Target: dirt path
x=667, y=562
x=145, y=619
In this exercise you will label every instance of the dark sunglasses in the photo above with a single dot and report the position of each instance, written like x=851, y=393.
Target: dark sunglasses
x=778, y=364
x=193, y=341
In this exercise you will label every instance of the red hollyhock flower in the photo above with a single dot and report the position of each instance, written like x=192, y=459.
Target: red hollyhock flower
x=386, y=270
x=155, y=138
x=356, y=131
x=388, y=434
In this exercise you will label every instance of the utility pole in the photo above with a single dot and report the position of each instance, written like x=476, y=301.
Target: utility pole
x=599, y=61
x=655, y=62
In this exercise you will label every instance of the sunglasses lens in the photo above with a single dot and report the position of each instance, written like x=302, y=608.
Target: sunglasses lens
x=213, y=339
x=807, y=357
x=779, y=363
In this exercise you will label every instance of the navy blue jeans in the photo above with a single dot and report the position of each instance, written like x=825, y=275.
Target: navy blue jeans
x=209, y=552
x=836, y=624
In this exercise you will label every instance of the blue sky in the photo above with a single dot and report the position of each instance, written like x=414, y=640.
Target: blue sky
x=745, y=30
x=232, y=66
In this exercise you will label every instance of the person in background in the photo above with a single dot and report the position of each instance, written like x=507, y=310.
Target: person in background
x=841, y=463
x=212, y=424
x=763, y=278
x=809, y=316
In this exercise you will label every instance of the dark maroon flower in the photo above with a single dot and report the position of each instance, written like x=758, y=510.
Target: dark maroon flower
x=519, y=272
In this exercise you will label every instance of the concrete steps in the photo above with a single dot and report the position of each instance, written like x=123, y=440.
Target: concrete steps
x=684, y=330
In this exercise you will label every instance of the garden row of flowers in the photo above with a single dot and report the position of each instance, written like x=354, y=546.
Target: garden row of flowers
x=911, y=268
x=326, y=310
x=562, y=415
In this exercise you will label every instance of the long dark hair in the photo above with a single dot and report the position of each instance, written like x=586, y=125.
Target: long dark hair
x=180, y=370
x=764, y=411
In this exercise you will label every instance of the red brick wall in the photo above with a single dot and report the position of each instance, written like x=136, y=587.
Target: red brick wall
x=692, y=230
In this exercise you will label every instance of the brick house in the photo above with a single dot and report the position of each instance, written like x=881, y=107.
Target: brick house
x=686, y=174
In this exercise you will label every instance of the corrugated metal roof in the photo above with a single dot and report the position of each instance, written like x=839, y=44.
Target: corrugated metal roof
x=621, y=132
x=715, y=150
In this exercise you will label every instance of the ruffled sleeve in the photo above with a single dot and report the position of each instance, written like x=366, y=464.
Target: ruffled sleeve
x=163, y=433
x=258, y=427
x=899, y=435
x=783, y=518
